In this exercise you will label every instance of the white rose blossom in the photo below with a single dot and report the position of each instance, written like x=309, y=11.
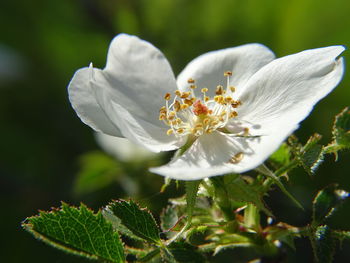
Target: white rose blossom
x=123, y=149
x=227, y=111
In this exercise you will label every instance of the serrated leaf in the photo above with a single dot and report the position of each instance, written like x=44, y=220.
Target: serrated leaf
x=184, y=252
x=326, y=202
x=238, y=190
x=341, y=235
x=138, y=220
x=323, y=244
x=282, y=155
x=191, y=195
x=118, y=226
x=311, y=155
x=341, y=128
x=97, y=170
x=168, y=218
x=266, y=171
x=77, y=231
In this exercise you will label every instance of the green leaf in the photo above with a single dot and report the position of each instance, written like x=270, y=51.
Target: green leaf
x=341, y=235
x=266, y=171
x=341, y=132
x=326, y=202
x=97, y=170
x=282, y=155
x=77, y=231
x=168, y=218
x=118, y=226
x=191, y=195
x=323, y=244
x=138, y=220
x=311, y=154
x=184, y=252
x=238, y=190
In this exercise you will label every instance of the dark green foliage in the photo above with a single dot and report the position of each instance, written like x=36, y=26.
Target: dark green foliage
x=139, y=221
x=78, y=231
x=323, y=244
x=184, y=252
x=326, y=202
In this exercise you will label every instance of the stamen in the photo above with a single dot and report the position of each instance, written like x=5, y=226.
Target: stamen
x=232, y=88
x=178, y=93
x=219, y=90
x=236, y=158
x=187, y=114
x=167, y=96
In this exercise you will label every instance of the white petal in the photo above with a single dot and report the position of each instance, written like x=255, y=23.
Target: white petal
x=284, y=92
x=208, y=69
x=84, y=103
x=137, y=130
x=139, y=76
x=208, y=156
x=122, y=148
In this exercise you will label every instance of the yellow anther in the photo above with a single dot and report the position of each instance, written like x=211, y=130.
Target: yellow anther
x=188, y=102
x=233, y=114
x=206, y=98
x=184, y=106
x=214, y=123
x=232, y=88
x=235, y=104
x=209, y=131
x=190, y=81
x=167, y=96
x=162, y=116
x=236, y=158
x=185, y=95
x=206, y=121
x=199, y=125
x=228, y=73
x=177, y=93
x=177, y=105
x=171, y=115
x=178, y=121
x=223, y=113
x=180, y=130
x=219, y=99
x=219, y=90
x=170, y=131
x=204, y=90
x=193, y=100
x=193, y=86
x=228, y=99
x=246, y=131
x=162, y=109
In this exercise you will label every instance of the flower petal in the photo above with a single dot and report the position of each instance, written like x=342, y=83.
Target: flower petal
x=284, y=92
x=122, y=148
x=208, y=69
x=136, y=129
x=139, y=76
x=84, y=103
x=208, y=156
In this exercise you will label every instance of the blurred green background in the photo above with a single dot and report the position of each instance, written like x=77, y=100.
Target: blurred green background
x=42, y=44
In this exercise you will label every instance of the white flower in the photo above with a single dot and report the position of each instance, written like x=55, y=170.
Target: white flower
x=227, y=111
x=122, y=148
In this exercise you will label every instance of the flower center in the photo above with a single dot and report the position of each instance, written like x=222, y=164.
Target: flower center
x=191, y=115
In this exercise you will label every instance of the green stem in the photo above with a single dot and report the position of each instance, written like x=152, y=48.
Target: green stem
x=252, y=217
